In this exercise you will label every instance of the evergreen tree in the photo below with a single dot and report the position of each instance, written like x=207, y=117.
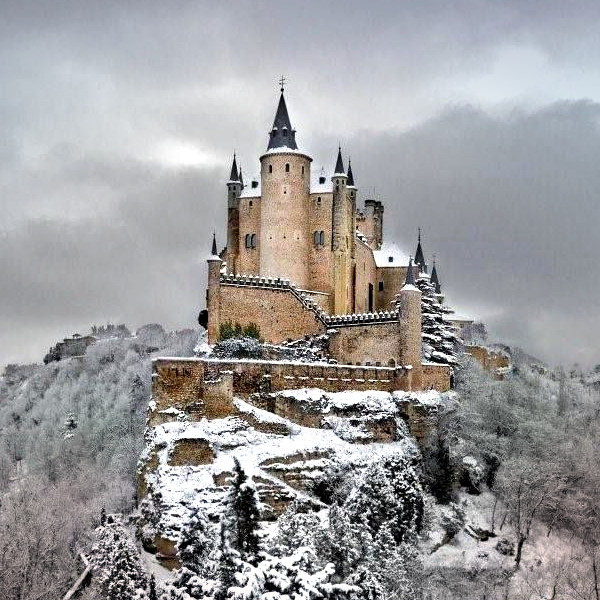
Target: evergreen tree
x=440, y=338
x=229, y=565
x=152, y=595
x=243, y=505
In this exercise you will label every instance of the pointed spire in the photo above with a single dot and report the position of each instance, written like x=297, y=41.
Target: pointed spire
x=339, y=165
x=350, y=175
x=282, y=135
x=214, y=245
x=410, y=276
x=240, y=178
x=419, y=256
x=435, y=280
x=234, y=172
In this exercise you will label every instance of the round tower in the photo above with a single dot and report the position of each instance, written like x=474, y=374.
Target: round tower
x=285, y=192
x=409, y=322
x=213, y=302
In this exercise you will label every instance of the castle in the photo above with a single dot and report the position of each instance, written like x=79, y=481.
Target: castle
x=303, y=259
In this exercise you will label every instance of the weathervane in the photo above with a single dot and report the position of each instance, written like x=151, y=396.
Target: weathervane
x=282, y=83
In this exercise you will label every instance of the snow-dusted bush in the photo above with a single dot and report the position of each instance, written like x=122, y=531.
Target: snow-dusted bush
x=239, y=347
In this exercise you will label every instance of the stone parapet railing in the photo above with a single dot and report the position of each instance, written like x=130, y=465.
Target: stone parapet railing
x=361, y=318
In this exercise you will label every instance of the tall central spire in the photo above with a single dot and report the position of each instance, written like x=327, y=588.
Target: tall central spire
x=282, y=135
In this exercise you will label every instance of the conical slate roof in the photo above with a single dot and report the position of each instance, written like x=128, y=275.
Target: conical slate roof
x=350, y=175
x=410, y=276
x=240, y=178
x=234, y=172
x=434, y=279
x=339, y=165
x=419, y=257
x=282, y=135
x=214, y=246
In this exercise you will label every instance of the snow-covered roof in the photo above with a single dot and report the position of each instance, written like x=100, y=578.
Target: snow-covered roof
x=390, y=256
x=286, y=150
x=249, y=191
x=320, y=188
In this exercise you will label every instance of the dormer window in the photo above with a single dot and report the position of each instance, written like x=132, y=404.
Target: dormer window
x=321, y=179
x=254, y=184
x=284, y=132
x=390, y=259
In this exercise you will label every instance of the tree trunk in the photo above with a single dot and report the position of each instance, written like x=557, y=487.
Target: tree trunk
x=520, y=550
x=595, y=568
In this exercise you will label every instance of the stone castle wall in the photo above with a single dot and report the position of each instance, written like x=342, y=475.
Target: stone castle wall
x=206, y=387
x=278, y=311
x=376, y=344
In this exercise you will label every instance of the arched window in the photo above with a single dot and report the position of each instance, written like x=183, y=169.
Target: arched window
x=253, y=241
x=270, y=168
x=248, y=240
x=319, y=201
x=391, y=362
x=319, y=238
x=287, y=167
x=322, y=238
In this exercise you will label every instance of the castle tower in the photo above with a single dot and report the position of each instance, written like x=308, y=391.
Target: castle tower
x=234, y=189
x=285, y=188
x=212, y=293
x=409, y=314
x=342, y=239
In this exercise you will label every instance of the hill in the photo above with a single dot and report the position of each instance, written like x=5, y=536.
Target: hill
x=501, y=503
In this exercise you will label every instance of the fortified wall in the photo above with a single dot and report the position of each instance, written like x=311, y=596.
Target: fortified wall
x=206, y=387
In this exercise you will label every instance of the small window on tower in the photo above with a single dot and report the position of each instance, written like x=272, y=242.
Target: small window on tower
x=381, y=286
x=319, y=201
x=270, y=168
x=248, y=240
x=253, y=241
x=322, y=238
x=250, y=203
x=302, y=170
x=287, y=167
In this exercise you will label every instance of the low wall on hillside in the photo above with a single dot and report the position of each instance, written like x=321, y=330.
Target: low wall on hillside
x=493, y=362
x=206, y=387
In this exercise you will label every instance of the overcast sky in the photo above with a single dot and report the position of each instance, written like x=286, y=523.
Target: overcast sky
x=477, y=120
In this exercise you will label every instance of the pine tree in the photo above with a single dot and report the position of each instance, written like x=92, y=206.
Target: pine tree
x=244, y=510
x=440, y=338
x=152, y=595
x=229, y=565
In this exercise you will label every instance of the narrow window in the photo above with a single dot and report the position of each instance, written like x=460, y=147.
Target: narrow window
x=381, y=286
x=253, y=240
x=316, y=238
x=284, y=132
x=319, y=201
x=247, y=240
x=322, y=238
x=302, y=170
x=250, y=203
x=287, y=167
x=270, y=168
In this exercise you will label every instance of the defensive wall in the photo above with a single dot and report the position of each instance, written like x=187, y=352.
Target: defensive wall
x=206, y=387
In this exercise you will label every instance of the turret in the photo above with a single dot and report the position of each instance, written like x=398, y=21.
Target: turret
x=285, y=239
x=342, y=239
x=408, y=303
x=234, y=189
x=212, y=293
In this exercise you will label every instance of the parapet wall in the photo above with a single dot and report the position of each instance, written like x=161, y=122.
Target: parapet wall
x=206, y=387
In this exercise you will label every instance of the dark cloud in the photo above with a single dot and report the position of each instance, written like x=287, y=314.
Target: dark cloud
x=96, y=226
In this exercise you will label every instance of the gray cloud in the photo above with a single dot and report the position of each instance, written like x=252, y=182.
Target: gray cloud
x=95, y=225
